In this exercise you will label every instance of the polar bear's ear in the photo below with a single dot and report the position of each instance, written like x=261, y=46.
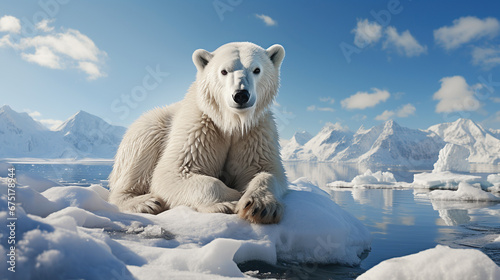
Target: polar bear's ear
x=276, y=53
x=201, y=58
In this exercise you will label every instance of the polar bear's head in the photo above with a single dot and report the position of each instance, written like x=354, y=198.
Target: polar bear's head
x=237, y=83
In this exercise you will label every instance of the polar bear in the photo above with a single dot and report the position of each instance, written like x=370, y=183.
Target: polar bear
x=216, y=150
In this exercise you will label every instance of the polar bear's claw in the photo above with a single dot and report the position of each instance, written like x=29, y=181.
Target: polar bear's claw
x=260, y=210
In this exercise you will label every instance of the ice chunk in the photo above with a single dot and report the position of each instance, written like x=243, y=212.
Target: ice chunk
x=465, y=192
x=453, y=158
x=369, y=179
x=441, y=262
x=494, y=179
x=445, y=179
x=378, y=177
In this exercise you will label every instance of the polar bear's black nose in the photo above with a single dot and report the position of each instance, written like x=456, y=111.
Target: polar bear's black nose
x=241, y=96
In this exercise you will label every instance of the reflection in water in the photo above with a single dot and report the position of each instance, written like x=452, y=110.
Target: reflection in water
x=454, y=217
x=455, y=213
x=322, y=173
x=383, y=199
x=403, y=222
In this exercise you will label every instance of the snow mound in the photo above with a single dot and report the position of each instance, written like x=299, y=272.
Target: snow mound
x=441, y=262
x=73, y=233
x=453, y=158
x=494, y=179
x=465, y=192
x=369, y=179
x=445, y=180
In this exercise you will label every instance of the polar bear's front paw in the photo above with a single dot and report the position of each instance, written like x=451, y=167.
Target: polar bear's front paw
x=150, y=204
x=260, y=209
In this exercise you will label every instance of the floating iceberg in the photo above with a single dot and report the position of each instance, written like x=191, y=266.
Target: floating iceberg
x=441, y=262
x=465, y=192
x=369, y=179
x=453, y=157
x=445, y=180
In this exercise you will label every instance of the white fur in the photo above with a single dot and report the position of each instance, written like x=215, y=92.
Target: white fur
x=203, y=152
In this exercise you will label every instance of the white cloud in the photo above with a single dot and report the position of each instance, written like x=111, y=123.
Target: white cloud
x=363, y=100
x=366, y=33
x=69, y=49
x=385, y=115
x=71, y=43
x=91, y=69
x=51, y=124
x=406, y=111
x=44, y=25
x=404, y=43
x=402, y=112
x=464, y=30
x=43, y=56
x=486, y=57
x=34, y=114
x=456, y=95
x=495, y=99
x=267, y=20
x=323, y=109
x=5, y=41
x=10, y=24
x=327, y=100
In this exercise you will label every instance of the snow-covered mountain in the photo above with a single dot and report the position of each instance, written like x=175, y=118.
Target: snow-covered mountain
x=90, y=135
x=385, y=144
x=391, y=144
x=82, y=135
x=483, y=146
x=21, y=136
x=294, y=145
x=399, y=145
x=332, y=139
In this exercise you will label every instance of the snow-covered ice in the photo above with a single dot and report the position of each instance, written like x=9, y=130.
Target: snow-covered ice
x=465, y=192
x=494, y=179
x=69, y=232
x=441, y=262
x=445, y=180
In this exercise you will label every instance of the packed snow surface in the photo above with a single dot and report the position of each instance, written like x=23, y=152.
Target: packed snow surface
x=68, y=232
x=441, y=262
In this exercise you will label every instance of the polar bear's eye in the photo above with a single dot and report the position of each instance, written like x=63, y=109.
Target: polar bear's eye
x=256, y=71
x=223, y=72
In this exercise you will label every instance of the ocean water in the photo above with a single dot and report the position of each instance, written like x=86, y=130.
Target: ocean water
x=400, y=222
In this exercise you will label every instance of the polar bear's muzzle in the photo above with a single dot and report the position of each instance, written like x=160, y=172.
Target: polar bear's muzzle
x=242, y=100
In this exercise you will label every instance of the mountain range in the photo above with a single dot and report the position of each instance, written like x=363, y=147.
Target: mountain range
x=391, y=144
x=83, y=135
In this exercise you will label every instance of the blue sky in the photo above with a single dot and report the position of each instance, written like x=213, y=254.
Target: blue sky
x=352, y=62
